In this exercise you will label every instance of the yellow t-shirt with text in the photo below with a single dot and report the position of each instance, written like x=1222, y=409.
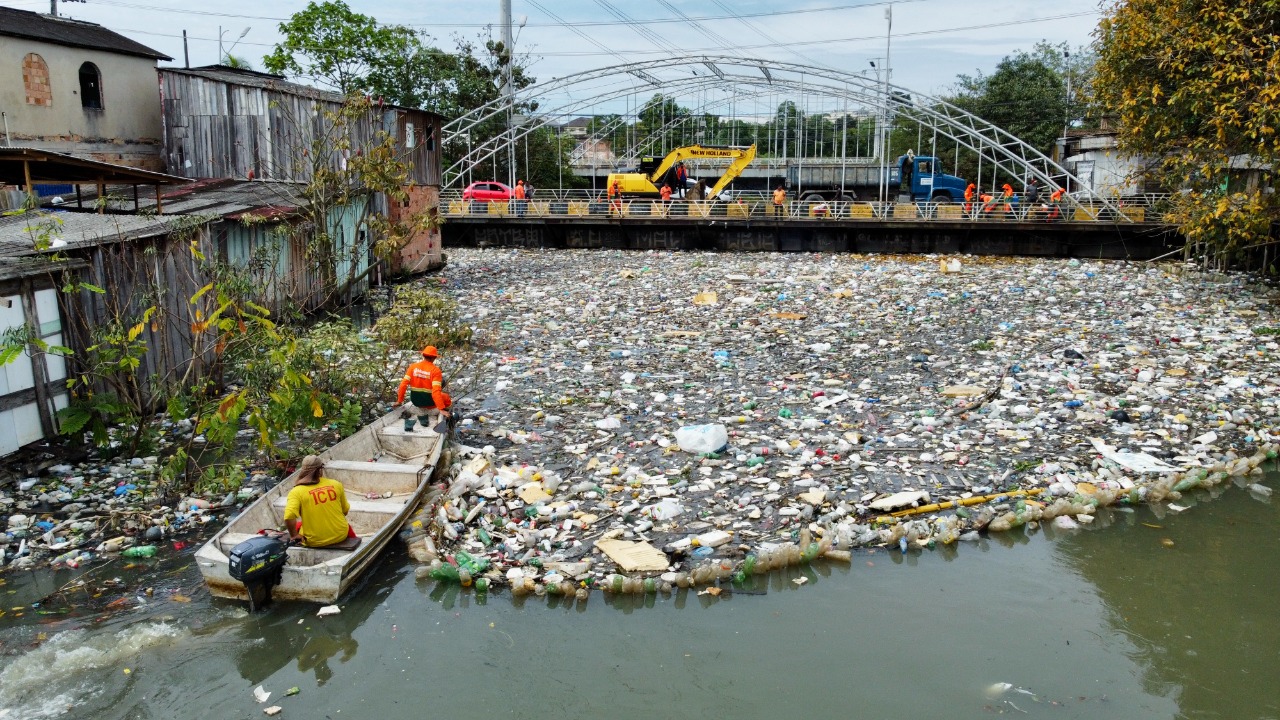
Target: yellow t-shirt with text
x=322, y=508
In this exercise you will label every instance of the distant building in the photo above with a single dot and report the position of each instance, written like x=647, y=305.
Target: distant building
x=78, y=88
x=577, y=128
x=1093, y=156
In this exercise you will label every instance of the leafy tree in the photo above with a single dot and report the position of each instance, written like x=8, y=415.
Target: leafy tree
x=330, y=44
x=1025, y=95
x=1194, y=85
x=344, y=174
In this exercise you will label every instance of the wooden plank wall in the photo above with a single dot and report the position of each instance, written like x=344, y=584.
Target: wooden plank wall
x=216, y=129
x=160, y=272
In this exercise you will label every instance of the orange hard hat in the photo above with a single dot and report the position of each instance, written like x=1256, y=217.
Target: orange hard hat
x=430, y=351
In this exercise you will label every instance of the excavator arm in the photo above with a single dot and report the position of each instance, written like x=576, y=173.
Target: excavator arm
x=703, y=151
x=734, y=170
x=641, y=184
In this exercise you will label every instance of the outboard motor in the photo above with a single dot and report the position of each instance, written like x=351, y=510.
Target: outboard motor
x=258, y=563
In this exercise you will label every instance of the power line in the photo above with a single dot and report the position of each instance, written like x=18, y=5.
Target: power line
x=584, y=23
x=756, y=29
x=800, y=43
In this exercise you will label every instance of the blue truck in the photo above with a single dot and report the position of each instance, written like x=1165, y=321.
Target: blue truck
x=861, y=181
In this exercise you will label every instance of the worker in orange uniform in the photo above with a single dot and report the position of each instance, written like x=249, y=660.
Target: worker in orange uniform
x=1055, y=205
x=779, y=201
x=425, y=384
x=615, y=196
x=988, y=203
x=969, y=194
x=519, y=195
x=1007, y=196
x=665, y=192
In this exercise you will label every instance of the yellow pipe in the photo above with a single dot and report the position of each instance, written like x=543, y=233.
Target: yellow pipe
x=963, y=502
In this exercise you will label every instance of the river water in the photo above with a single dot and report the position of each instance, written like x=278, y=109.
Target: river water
x=1144, y=614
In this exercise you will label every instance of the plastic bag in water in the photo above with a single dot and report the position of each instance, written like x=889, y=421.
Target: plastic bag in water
x=702, y=438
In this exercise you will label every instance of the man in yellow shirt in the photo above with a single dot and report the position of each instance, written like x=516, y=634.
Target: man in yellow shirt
x=779, y=202
x=315, y=512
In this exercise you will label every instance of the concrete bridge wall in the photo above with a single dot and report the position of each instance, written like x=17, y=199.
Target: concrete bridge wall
x=1137, y=241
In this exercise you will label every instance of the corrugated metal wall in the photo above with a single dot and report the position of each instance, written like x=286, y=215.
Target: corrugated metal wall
x=286, y=270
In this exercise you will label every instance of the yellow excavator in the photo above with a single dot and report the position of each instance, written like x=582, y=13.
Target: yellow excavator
x=654, y=172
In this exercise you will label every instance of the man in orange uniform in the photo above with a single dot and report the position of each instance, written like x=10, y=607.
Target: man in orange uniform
x=425, y=384
x=970, y=193
x=1055, y=204
x=779, y=201
x=519, y=193
x=615, y=197
x=315, y=511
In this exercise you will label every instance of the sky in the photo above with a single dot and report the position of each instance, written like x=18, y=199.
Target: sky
x=930, y=42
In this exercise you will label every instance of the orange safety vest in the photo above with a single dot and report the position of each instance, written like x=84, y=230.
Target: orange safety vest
x=665, y=192
x=520, y=191
x=424, y=376
x=779, y=196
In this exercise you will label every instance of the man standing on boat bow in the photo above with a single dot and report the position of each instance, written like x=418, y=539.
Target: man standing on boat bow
x=315, y=512
x=425, y=384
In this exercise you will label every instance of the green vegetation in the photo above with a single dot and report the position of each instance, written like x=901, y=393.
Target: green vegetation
x=1195, y=89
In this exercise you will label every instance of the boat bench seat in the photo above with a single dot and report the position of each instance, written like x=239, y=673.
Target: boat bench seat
x=371, y=467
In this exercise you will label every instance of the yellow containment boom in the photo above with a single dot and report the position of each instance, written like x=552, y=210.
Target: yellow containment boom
x=646, y=184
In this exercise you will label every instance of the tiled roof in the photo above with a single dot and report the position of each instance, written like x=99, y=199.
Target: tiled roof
x=72, y=33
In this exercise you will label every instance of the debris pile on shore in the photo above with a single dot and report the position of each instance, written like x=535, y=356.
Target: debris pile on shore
x=646, y=420
x=74, y=514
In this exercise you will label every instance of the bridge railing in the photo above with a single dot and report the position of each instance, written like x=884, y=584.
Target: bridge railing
x=578, y=203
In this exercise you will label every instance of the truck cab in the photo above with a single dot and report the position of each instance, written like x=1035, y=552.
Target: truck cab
x=927, y=184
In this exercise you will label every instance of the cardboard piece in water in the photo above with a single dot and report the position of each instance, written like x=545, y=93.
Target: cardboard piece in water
x=634, y=556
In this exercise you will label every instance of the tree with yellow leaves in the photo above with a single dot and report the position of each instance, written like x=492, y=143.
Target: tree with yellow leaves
x=1196, y=85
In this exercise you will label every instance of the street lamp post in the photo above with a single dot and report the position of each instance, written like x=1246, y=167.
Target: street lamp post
x=1066, y=54
x=223, y=55
x=884, y=126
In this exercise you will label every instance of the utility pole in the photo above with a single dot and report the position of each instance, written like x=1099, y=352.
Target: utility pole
x=884, y=126
x=53, y=6
x=508, y=43
x=1066, y=127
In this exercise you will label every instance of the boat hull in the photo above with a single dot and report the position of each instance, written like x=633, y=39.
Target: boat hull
x=385, y=471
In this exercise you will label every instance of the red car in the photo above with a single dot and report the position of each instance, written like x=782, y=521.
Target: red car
x=487, y=191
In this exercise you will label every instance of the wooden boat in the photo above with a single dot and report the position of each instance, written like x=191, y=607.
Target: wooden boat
x=385, y=471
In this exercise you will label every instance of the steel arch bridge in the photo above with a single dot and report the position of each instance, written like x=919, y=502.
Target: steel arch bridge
x=561, y=99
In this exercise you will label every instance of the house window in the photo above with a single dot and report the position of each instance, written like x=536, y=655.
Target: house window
x=90, y=87
x=35, y=79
